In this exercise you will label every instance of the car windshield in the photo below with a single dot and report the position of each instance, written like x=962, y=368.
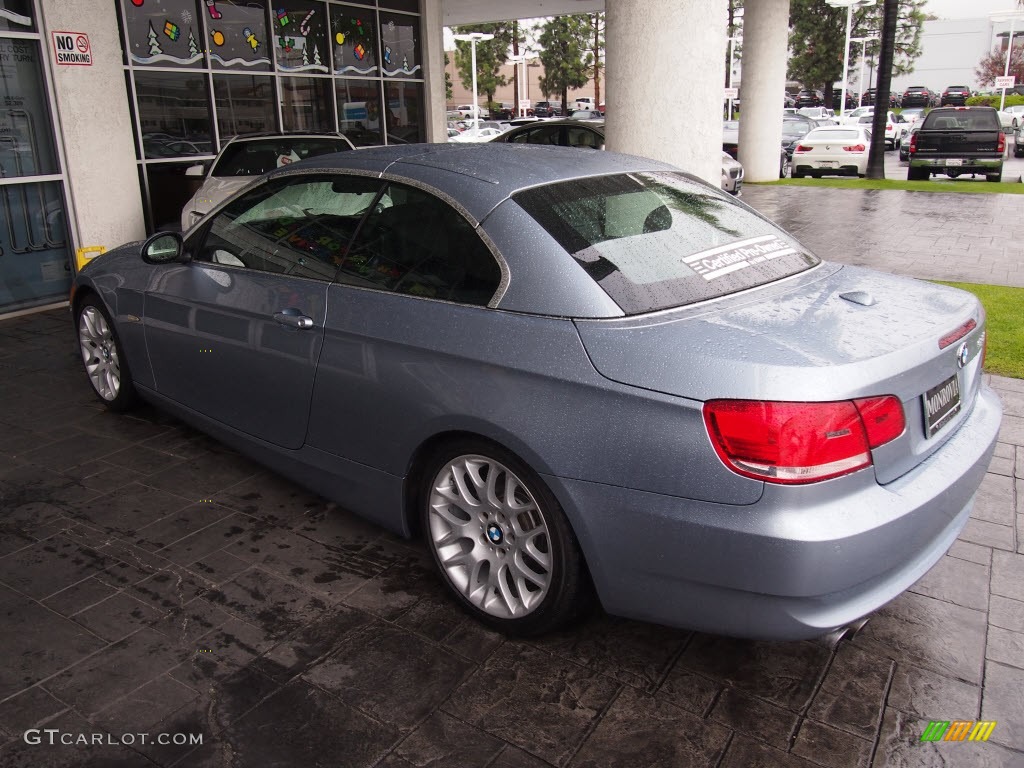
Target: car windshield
x=793, y=128
x=658, y=240
x=254, y=158
x=962, y=120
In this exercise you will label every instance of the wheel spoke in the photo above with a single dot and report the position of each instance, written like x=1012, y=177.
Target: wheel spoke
x=459, y=476
x=512, y=603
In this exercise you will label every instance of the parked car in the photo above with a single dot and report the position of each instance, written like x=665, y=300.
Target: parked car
x=586, y=114
x=474, y=134
x=840, y=150
x=809, y=98
x=568, y=372
x=467, y=111
x=853, y=117
x=912, y=114
x=896, y=128
x=955, y=95
x=837, y=96
x=732, y=174
x=817, y=113
x=588, y=134
x=917, y=96
x=868, y=98
x=547, y=109
x=958, y=140
x=794, y=129
x=905, y=145
x=244, y=158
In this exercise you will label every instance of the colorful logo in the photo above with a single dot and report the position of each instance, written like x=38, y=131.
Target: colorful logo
x=958, y=730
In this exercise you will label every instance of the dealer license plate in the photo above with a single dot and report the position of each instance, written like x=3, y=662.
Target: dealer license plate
x=828, y=164
x=941, y=404
x=954, y=161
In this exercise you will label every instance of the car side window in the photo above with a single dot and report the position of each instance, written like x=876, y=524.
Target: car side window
x=415, y=243
x=582, y=137
x=545, y=135
x=298, y=226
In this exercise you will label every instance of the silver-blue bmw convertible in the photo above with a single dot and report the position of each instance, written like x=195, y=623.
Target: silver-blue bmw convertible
x=574, y=375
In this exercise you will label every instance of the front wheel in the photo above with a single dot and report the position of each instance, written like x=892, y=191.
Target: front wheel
x=501, y=541
x=103, y=356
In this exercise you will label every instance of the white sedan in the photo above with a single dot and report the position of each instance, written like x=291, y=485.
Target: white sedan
x=1012, y=118
x=840, y=150
x=853, y=117
x=896, y=129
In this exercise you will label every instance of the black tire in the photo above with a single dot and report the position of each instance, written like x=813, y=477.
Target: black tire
x=917, y=174
x=105, y=353
x=1018, y=151
x=996, y=177
x=795, y=174
x=569, y=593
x=784, y=168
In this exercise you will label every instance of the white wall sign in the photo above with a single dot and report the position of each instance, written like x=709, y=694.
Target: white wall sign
x=1006, y=82
x=72, y=48
x=732, y=93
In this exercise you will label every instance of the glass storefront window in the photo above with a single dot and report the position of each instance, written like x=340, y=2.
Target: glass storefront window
x=26, y=134
x=306, y=104
x=405, y=112
x=17, y=16
x=238, y=36
x=165, y=34
x=169, y=190
x=300, y=36
x=400, y=45
x=245, y=104
x=34, y=265
x=174, y=114
x=413, y=6
x=359, y=111
x=353, y=41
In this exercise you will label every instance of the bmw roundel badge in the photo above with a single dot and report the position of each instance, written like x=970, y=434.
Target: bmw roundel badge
x=962, y=355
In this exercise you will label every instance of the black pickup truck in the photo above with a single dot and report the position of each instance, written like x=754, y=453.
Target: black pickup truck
x=958, y=140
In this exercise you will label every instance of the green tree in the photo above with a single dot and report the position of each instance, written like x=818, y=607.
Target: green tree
x=448, y=92
x=491, y=56
x=565, y=55
x=818, y=34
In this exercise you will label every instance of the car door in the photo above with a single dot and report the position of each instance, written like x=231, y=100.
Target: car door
x=235, y=334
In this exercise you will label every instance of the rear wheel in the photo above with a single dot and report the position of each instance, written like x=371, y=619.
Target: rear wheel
x=917, y=174
x=797, y=174
x=103, y=356
x=501, y=541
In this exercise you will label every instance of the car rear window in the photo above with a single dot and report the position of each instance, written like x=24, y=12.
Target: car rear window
x=962, y=120
x=659, y=240
x=254, y=158
x=833, y=135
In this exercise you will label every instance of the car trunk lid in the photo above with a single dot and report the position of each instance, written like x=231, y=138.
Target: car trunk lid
x=834, y=333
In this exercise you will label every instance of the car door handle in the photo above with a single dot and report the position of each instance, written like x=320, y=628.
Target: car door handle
x=294, y=320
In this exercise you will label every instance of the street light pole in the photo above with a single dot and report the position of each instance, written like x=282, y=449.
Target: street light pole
x=860, y=80
x=849, y=5
x=728, y=75
x=473, y=38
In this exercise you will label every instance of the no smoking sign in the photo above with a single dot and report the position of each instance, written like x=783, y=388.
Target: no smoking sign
x=72, y=48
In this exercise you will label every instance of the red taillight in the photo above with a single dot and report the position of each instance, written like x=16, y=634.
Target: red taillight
x=795, y=443
x=855, y=148
x=957, y=333
x=888, y=126
x=913, y=143
x=1001, y=147
x=802, y=148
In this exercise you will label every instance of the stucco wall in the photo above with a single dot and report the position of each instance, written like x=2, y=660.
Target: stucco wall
x=95, y=121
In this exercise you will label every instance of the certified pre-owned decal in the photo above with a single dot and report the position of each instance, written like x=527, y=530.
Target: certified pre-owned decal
x=746, y=253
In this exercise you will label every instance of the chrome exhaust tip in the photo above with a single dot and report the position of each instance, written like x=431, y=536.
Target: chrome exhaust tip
x=847, y=632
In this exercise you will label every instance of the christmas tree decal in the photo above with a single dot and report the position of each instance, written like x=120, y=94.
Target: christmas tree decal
x=154, y=41
x=193, y=48
x=316, y=55
x=305, y=55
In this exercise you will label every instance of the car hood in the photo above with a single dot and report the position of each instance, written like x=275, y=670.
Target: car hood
x=798, y=339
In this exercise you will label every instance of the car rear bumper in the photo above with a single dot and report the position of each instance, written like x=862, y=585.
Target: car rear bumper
x=799, y=563
x=969, y=164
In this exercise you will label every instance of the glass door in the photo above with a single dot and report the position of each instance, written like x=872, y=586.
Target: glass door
x=35, y=263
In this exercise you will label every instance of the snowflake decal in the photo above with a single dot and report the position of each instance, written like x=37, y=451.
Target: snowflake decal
x=186, y=17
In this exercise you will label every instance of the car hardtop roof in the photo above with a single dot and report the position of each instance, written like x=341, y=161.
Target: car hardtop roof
x=478, y=176
x=287, y=135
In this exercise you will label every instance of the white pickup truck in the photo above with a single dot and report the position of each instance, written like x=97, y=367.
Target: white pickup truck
x=585, y=102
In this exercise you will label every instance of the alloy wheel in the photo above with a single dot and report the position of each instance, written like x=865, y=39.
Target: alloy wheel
x=99, y=353
x=490, y=536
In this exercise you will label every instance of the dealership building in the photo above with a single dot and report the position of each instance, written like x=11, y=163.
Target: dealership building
x=108, y=103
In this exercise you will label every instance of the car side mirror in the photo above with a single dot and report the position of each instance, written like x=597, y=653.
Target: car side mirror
x=196, y=170
x=164, y=248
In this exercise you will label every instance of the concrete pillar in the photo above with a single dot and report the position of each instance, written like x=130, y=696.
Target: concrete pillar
x=765, y=53
x=96, y=126
x=665, y=78
x=432, y=37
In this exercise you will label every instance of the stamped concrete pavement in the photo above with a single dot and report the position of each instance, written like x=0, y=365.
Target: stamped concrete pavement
x=155, y=586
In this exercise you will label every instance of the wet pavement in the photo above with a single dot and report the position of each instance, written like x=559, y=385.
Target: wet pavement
x=153, y=583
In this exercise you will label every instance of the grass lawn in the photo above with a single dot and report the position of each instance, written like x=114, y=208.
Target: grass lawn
x=1005, y=327
x=937, y=185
